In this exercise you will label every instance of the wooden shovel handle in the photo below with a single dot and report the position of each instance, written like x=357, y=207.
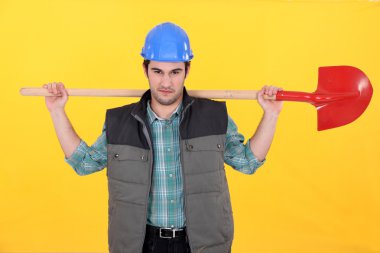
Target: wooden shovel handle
x=213, y=94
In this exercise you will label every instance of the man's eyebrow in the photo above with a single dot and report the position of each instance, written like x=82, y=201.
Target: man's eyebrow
x=177, y=69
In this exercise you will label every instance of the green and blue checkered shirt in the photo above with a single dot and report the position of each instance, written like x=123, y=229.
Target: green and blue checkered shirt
x=166, y=199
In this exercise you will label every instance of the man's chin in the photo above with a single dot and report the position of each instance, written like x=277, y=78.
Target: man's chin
x=166, y=101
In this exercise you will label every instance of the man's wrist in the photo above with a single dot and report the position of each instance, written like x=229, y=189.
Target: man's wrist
x=270, y=115
x=57, y=112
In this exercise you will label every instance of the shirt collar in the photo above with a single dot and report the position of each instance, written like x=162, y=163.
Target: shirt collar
x=152, y=116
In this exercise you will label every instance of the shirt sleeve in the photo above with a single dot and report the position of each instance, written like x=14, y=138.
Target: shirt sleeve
x=237, y=154
x=89, y=159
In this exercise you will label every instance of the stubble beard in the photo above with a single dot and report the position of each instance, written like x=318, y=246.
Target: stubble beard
x=163, y=101
x=166, y=101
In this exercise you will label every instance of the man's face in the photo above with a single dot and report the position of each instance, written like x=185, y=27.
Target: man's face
x=166, y=81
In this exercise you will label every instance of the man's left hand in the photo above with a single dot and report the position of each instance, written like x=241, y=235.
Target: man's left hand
x=269, y=106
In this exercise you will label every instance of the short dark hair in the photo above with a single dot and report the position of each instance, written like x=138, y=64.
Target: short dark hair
x=146, y=63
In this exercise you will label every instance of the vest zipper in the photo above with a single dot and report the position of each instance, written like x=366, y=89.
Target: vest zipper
x=147, y=136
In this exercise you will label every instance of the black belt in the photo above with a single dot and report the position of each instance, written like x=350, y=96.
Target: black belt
x=167, y=233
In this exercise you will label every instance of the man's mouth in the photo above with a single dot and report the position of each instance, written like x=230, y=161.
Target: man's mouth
x=164, y=91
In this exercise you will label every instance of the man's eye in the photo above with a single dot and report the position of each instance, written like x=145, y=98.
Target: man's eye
x=157, y=71
x=175, y=72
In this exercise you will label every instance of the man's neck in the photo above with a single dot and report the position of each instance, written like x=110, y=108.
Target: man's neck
x=164, y=111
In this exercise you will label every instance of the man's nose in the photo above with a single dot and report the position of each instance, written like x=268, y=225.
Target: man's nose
x=166, y=81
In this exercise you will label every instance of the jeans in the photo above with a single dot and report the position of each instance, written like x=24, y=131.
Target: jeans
x=154, y=244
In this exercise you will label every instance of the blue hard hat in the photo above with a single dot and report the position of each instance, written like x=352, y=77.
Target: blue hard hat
x=167, y=42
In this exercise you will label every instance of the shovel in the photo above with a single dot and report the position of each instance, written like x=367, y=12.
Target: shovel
x=342, y=95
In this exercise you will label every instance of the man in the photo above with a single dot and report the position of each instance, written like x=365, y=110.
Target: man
x=165, y=156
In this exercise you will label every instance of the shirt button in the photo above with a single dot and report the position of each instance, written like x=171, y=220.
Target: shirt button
x=171, y=201
x=116, y=155
x=169, y=149
x=172, y=226
x=170, y=175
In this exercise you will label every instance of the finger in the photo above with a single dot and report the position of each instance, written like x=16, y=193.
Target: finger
x=50, y=89
x=65, y=90
x=59, y=93
x=260, y=99
x=272, y=90
x=61, y=89
x=264, y=97
x=54, y=86
x=268, y=90
x=265, y=89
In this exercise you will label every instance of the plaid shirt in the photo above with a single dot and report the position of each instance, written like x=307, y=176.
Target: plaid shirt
x=166, y=203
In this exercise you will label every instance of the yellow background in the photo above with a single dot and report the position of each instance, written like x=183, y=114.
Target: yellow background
x=318, y=191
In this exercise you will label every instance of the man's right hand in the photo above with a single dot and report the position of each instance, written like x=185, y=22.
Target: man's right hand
x=58, y=102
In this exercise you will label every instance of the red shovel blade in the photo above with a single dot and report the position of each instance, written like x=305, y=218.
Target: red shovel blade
x=346, y=80
x=343, y=94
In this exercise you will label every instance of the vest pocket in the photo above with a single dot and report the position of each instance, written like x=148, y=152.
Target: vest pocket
x=205, y=154
x=127, y=163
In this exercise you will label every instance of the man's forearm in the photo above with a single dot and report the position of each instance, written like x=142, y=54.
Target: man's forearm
x=66, y=134
x=263, y=137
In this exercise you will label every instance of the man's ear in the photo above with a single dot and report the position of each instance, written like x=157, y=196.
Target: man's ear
x=145, y=71
x=188, y=70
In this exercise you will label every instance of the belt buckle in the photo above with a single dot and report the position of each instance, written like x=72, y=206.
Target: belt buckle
x=166, y=237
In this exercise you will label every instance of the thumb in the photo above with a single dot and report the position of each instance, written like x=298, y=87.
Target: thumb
x=62, y=89
x=260, y=96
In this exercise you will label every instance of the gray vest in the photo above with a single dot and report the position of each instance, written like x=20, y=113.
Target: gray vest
x=203, y=127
